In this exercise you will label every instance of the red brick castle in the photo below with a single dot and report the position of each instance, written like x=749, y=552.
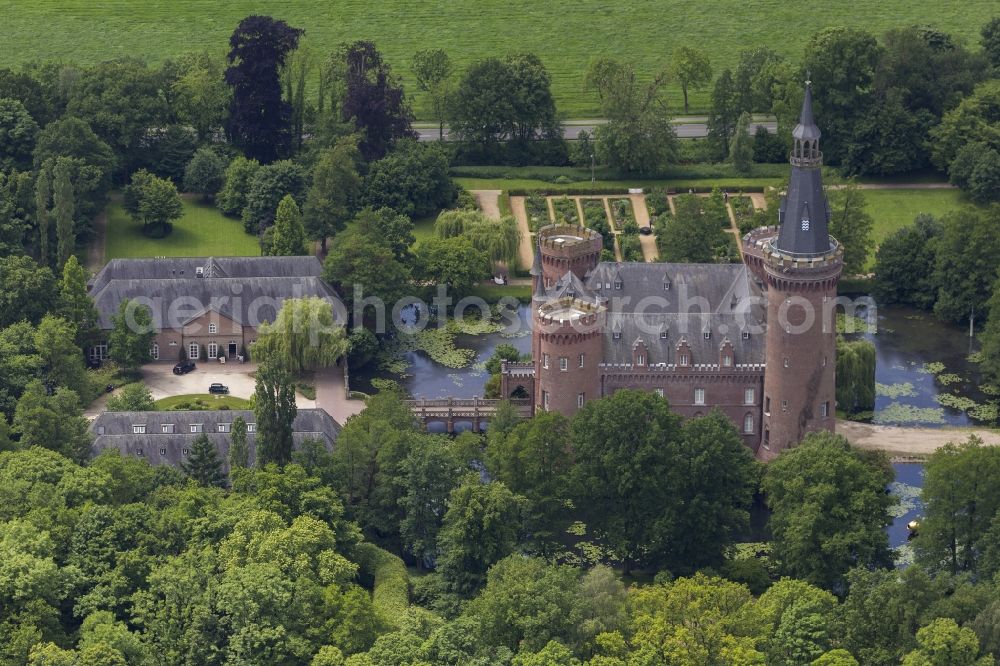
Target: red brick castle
x=755, y=340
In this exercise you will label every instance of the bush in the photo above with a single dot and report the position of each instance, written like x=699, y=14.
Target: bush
x=657, y=203
x=389, y=581
x=631, y=247
x=538, y=211
x=566, y=211
x=594, y=213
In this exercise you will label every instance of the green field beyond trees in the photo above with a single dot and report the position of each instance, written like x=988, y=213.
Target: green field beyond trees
x=564, y=33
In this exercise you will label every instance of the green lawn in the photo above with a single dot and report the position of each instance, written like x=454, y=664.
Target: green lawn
x=564, y=33
x=201, y=401
x=894, y=209
x=423, y=228
x=203, y=231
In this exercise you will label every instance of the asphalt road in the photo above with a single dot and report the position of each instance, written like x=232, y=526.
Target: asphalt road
x=685, y=130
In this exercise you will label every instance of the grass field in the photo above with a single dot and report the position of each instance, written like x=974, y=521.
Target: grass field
x=201, y=401
x=202, y=231
x=894, y=209
x=564, y=33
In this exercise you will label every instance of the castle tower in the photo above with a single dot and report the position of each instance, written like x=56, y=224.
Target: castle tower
x=564, y=248
x=800, y=264
x=568, y=348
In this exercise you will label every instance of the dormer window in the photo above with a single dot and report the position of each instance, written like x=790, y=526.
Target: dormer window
x=682, y=359
x=727, y=361
x=640, y=360
x=617, y=335
x=166, y=428
x=199, y=271
x=663, y=334
x=618, y=284
x=139, y=430
x=251, y=427
x=746, y=335
x=196, y=428
x=707, y=335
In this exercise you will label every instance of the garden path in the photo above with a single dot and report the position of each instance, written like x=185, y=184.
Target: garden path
x=908, y=442
x=527, y=250
x=489, y=202
x=648, y=243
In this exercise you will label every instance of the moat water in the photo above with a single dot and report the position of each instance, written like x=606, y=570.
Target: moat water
x=907, y=344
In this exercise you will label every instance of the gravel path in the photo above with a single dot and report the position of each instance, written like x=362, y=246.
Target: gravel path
x=489, y=202
x=902, y=442
x=527, y=249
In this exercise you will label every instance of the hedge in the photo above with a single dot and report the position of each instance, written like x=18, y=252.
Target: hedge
x=390, y=582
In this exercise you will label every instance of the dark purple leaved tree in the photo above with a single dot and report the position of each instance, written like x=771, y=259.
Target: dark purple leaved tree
x=259, y=119
x=374, y=100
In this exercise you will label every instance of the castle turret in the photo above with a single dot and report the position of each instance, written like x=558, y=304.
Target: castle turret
x=800, y=264
x=564, y=248
x=569, y=339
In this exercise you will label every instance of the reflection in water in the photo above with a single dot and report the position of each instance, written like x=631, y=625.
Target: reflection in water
x=427, y=379
x=908, y=344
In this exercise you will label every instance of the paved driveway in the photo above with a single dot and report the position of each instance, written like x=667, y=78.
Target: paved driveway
x=161, y=381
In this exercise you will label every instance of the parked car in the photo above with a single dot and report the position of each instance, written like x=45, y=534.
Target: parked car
x=645, y=231
x=184, y=367
x=218, y=388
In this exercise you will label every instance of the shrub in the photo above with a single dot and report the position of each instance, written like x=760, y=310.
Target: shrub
x=538, y=211
x=390, y=583
x=594, y=213
x=566, y=211
x=631, y=247
x=657, y=203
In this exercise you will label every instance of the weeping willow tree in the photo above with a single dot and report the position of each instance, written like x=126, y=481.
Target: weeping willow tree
x=855, y=375
x=499, y=239
x=303, y=337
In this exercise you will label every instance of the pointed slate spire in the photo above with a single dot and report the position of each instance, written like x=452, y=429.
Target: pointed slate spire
x=804, y=212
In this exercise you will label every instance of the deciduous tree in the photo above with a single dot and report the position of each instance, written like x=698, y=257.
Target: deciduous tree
x=134, y=397
x=851, y=224
x=335, y=190
x=622, y=457
x=205, y=174
x=274, y=409
x=741, y=147
x=692, y=70
x=259, y=119
x=29, y=290
x=236, y=186
x=75, y=304
x=432, y=67
x=373, y=100
x=412, y=180
x=52, y=421
x=966, y=263
x=239, y=449
x=905, y=263
x=131, y=336
x=17, y=134
x=830, y=510
x=453, y=262
x=304, y=337
x=62, y=210
x=481, y=527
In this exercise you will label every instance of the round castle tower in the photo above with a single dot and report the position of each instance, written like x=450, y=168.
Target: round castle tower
x=568, y=331
x=568, y=348
x=564, y=248
x=800, y=263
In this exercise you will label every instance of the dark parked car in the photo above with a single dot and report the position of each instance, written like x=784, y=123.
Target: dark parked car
x=218, y=388
x=645, y=231
x=184, y=367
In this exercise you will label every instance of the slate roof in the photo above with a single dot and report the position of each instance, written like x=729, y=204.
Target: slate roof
x=114, y=430
x=723, y=300
x=804, y=213
x=248, y=290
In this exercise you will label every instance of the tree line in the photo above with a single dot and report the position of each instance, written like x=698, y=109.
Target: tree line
x=511, y=538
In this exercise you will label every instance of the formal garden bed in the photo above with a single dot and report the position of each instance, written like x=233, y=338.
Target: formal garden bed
x=743, y=211
x=565, y=210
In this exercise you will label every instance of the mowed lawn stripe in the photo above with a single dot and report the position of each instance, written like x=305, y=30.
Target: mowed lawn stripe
x=565, y=34
x=202, y=231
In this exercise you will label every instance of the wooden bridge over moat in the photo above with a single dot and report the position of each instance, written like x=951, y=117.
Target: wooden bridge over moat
x=452, y=411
